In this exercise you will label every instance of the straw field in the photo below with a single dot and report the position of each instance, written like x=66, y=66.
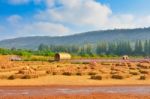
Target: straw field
x=93, y=72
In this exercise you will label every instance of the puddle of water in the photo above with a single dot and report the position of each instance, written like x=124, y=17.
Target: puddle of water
x=86, y=90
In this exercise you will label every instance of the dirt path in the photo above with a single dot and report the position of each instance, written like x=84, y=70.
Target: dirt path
x=76, y=92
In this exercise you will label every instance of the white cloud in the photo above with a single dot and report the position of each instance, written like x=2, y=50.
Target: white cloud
x=72, y=16
x=50, y=3
x=90, y=14
x=14, y=19
x=78, y=12
x=41, y=29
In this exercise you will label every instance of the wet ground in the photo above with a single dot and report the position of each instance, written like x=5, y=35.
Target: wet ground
x=52, y=91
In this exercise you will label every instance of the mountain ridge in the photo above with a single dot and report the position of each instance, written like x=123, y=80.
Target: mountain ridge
x=32, y=42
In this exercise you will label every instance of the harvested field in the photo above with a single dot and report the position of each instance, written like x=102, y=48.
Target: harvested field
x=106, y=70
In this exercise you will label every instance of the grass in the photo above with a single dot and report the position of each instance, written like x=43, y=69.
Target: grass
x=37, y=58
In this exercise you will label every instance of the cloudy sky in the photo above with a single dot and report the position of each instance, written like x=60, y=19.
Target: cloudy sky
x=65, y=17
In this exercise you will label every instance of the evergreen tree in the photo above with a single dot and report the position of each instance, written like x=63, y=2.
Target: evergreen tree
x=112, y=48
x=101, y=49
x=138, y=49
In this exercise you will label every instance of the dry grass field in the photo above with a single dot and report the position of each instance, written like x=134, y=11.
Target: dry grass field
x=67, y=73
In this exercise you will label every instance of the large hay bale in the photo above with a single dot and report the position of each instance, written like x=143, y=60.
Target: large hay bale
x=125, y=57
x=62, y=56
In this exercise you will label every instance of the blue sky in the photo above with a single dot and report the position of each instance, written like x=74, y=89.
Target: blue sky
x=65, y=17
x=138, y=7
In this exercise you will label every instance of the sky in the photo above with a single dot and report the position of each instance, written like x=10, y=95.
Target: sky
x=20, y=18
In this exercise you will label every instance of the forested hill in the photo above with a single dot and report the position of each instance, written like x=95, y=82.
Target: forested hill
x=88, y=37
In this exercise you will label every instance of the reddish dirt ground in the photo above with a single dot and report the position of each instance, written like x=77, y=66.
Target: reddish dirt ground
x=74, y=96
x=91, y=96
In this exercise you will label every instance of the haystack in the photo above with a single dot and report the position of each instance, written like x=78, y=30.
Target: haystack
x=125, y=57
x=62, y=56
x=15, y=58
x=27, y=70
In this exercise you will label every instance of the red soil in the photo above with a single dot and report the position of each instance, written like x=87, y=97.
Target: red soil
x=91, y=96
x=78, y=96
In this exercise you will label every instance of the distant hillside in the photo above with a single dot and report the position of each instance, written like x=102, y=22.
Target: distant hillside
x=88, y=37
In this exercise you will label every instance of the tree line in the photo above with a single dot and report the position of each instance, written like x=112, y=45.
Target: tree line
x=138, y=48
